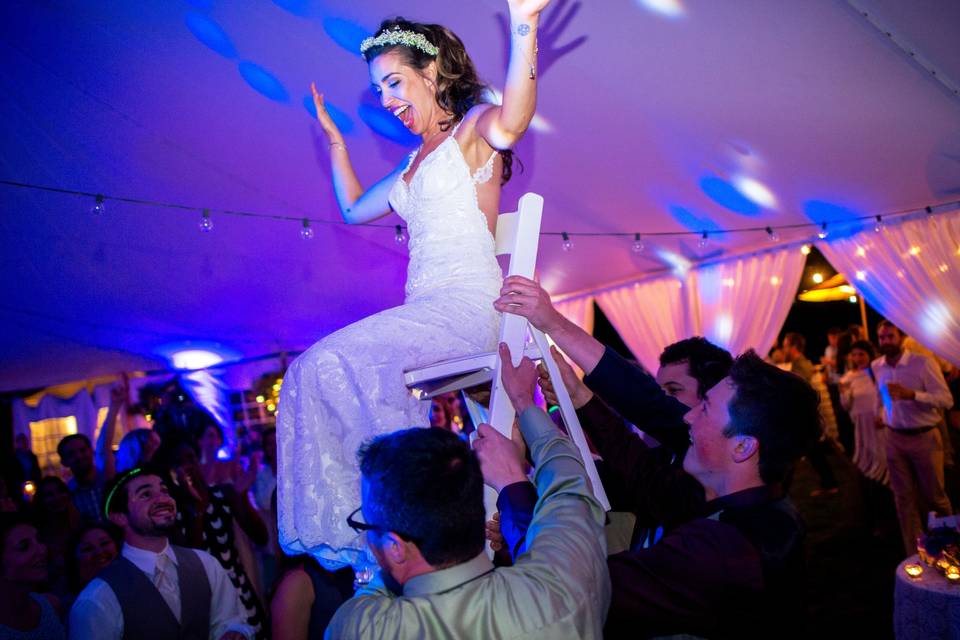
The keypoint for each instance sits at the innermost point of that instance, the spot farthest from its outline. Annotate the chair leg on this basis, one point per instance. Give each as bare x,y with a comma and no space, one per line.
570,418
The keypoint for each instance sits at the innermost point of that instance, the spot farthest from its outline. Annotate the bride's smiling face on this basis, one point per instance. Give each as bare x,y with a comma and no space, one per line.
406,92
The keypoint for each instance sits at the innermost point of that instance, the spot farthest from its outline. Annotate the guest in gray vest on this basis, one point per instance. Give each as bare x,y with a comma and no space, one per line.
155,590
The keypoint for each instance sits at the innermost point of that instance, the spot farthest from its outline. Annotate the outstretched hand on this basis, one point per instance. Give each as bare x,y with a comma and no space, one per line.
519,382
501,461
323,117
524,297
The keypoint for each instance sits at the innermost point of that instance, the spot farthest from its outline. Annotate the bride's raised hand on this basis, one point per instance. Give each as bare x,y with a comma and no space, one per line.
326,122
527,7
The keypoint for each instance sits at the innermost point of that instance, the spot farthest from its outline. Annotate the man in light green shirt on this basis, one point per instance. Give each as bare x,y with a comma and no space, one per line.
423,514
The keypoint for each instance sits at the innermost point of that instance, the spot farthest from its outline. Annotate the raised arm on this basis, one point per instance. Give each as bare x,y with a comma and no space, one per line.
356,204
504,125
104,453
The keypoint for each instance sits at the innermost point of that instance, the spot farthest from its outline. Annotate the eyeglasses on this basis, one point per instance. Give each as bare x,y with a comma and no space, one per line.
360,527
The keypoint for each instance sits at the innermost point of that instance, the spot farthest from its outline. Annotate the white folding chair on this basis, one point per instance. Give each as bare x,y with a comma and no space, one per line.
518,235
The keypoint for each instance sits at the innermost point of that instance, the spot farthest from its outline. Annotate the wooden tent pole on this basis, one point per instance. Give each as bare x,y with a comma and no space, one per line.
863,316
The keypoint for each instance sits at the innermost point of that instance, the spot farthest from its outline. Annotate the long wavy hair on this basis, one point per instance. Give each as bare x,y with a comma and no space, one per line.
458,86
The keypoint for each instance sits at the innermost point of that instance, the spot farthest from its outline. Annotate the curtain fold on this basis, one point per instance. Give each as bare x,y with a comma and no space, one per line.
80,406
739,304
579,311
648,316
742,303
910,273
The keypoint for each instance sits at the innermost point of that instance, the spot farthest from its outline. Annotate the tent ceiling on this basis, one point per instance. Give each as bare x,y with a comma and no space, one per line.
645,119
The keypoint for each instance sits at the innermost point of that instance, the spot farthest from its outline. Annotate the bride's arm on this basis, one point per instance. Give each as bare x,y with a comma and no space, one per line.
356,205
503,126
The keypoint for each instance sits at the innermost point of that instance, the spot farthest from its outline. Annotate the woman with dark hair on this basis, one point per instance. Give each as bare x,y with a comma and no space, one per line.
91,548
136,449
860,398
25,612
349,386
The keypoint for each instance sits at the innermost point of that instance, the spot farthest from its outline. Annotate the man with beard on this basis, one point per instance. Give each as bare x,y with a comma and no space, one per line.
155,589
913,392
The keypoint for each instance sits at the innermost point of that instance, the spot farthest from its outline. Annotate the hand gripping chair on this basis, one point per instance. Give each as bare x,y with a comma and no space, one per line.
518,234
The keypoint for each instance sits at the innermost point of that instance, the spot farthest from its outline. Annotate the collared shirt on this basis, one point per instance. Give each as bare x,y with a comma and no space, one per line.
96,614
88,498
921,374
558,588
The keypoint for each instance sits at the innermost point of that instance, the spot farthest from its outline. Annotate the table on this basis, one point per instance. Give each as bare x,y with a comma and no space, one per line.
927,608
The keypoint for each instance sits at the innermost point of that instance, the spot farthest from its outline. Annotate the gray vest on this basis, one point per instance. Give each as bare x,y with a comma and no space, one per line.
146,615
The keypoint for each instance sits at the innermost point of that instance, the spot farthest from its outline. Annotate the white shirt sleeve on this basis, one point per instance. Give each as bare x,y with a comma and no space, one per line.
935,391
96,614
226,612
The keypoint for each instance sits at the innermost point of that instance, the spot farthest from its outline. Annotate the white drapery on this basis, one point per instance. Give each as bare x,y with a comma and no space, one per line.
910,273
648,315
740,303
579,311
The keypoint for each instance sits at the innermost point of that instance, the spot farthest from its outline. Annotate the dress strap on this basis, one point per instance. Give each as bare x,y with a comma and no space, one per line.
485,172
455,127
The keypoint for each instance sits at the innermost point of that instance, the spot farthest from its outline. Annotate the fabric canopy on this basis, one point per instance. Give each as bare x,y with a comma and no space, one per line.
910,273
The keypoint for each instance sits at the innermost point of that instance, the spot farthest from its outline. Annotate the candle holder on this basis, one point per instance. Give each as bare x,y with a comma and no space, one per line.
914,571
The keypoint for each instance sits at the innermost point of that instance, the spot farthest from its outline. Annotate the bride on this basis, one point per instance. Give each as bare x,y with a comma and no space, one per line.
348,387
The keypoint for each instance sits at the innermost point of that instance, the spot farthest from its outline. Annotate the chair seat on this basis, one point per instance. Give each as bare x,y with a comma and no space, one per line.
460,373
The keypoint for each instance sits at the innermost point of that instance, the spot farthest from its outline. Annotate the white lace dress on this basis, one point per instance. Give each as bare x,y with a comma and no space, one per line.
348,387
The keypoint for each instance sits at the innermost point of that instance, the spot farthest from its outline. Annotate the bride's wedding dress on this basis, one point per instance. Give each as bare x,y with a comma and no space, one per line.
348,387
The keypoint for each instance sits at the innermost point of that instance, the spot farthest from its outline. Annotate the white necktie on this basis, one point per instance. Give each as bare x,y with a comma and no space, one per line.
165,579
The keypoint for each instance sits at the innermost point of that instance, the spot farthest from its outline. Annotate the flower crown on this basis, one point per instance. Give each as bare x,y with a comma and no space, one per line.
398,36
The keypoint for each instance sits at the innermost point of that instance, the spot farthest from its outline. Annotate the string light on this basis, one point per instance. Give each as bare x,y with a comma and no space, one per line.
772,235
704,239
637,246
817,277
878,226
805,249
853,299
306,232
98,206
399,235
567,243
206,224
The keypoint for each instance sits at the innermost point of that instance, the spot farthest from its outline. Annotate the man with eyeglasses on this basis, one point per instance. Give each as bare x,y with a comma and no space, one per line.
423,514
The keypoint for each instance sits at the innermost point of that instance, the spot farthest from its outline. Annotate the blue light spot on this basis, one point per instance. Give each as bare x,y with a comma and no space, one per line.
296,7
726,195
342,120
692,221
347,34
387,125
203,5
211,34
264,82
842,221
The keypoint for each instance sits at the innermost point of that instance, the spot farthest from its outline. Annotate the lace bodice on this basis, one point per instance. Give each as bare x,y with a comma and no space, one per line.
450,243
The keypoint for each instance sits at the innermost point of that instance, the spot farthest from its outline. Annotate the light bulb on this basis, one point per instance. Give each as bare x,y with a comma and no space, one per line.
637,246
306,232
98,207
400,237
567,244
805,249
704,239
823,231
206,224
772,235
878,226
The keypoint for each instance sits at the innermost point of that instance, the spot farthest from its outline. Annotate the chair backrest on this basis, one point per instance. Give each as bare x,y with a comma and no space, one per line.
518,235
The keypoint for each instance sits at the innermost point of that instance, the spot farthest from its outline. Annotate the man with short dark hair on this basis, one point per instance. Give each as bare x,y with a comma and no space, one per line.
736,570
76,453
913,392
794,345
153,589
424,520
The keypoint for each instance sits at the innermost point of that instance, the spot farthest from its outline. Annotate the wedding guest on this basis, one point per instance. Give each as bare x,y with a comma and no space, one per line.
25,612
136,449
